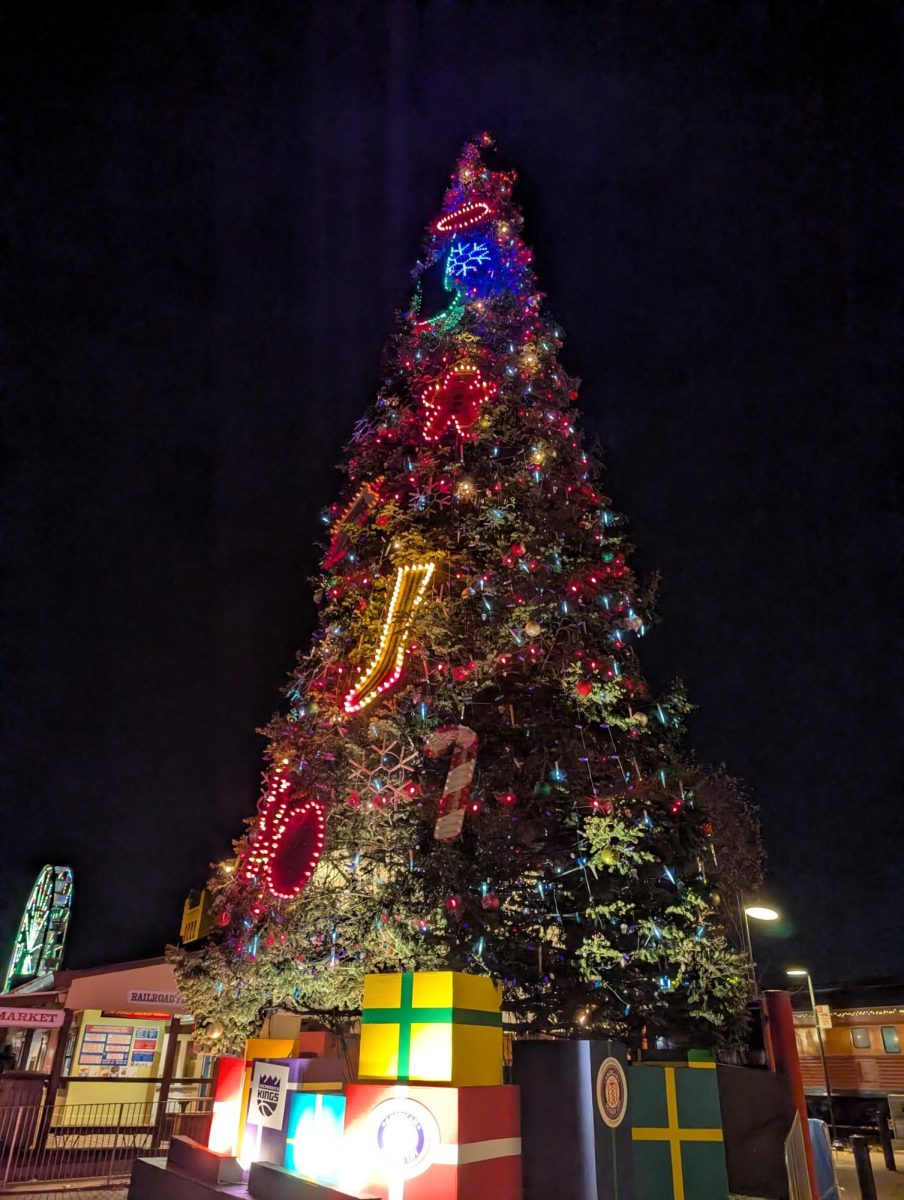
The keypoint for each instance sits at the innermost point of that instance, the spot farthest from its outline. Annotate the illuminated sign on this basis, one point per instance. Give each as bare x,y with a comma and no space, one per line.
403,1137
106,1046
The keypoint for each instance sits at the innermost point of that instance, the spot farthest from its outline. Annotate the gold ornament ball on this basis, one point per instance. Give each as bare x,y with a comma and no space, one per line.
609,857
214,1031
533,629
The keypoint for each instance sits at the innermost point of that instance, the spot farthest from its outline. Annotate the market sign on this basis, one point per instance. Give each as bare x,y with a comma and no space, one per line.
136,996
31,1017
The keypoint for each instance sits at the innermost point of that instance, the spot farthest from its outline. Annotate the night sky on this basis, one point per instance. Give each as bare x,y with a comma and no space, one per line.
212,211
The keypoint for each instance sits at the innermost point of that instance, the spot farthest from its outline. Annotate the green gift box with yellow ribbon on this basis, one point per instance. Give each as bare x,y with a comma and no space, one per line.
676,1118
433,1027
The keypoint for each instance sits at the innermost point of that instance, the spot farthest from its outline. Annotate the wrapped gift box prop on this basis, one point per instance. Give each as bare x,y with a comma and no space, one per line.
226,1118
432,1026
421,1142
430,1118
676,1127
576,1122
314,1141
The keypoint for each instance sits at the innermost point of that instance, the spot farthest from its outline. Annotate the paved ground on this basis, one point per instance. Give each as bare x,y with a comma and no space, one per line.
76,1194
70,1192
889,1184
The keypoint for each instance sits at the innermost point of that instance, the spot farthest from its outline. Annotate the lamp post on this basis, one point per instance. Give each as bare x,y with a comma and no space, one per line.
755,912
803,973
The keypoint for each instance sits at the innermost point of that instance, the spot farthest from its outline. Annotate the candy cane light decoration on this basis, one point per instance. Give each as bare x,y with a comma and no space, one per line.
457,789
386,665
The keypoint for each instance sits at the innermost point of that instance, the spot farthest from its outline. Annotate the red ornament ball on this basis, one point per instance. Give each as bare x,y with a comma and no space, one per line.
223,917
453,904
460,674
584,687
490,902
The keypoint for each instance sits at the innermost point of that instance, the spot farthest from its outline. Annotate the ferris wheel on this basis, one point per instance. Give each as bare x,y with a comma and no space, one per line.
39,944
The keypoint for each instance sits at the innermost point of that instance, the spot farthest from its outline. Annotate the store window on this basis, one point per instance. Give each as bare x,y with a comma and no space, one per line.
890,1040
860,1037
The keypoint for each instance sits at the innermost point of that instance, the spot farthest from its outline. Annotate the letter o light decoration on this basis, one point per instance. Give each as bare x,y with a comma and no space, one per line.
287,846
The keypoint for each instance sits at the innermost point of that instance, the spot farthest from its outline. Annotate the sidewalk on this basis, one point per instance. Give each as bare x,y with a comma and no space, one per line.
889,1184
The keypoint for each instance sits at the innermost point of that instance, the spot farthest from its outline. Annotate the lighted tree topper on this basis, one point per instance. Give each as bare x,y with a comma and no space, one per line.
41,936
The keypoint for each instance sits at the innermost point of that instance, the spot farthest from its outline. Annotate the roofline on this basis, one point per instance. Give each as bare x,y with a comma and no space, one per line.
112,968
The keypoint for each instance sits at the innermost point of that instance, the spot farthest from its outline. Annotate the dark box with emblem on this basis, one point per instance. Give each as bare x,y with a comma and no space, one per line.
575,1123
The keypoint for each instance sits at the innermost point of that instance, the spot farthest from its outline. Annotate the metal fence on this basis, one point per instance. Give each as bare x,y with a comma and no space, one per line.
91,1141
796,1162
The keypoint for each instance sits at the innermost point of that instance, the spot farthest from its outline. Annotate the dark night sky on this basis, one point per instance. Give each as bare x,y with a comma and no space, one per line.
212,212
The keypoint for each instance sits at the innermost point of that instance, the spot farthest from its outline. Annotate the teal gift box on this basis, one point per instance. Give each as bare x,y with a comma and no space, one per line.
679,1150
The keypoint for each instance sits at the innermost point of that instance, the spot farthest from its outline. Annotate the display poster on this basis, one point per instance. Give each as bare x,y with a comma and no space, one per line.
105,1046
144,1046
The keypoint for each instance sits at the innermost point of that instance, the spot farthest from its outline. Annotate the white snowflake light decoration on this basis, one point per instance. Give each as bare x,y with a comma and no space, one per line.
466,258
382,774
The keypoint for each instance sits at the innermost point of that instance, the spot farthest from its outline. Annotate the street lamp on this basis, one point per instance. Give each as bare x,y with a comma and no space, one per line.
803,973
755,912
760,912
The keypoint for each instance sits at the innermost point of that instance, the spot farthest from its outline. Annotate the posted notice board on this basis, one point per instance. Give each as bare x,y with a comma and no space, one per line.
105,1046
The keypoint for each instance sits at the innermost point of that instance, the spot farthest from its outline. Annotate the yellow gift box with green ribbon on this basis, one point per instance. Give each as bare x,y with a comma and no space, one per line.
432,1026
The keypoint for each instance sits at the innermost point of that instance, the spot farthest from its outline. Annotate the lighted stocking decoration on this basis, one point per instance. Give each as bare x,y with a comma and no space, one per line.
386,665
353,518
457,789
288,843
438,297
455,399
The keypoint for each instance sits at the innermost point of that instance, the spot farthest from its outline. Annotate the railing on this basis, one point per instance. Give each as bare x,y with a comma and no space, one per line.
91,1141
796,1163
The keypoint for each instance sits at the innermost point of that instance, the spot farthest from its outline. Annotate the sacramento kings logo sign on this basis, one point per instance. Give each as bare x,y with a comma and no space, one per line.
611,1092
268,1094
405,1135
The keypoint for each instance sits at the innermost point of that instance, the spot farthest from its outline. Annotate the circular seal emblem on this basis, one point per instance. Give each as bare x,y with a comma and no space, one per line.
405,1135
611,1092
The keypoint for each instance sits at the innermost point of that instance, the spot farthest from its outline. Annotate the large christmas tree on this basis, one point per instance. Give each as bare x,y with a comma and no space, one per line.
470,770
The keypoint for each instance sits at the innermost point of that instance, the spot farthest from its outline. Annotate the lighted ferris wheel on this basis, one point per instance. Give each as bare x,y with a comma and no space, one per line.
41,938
